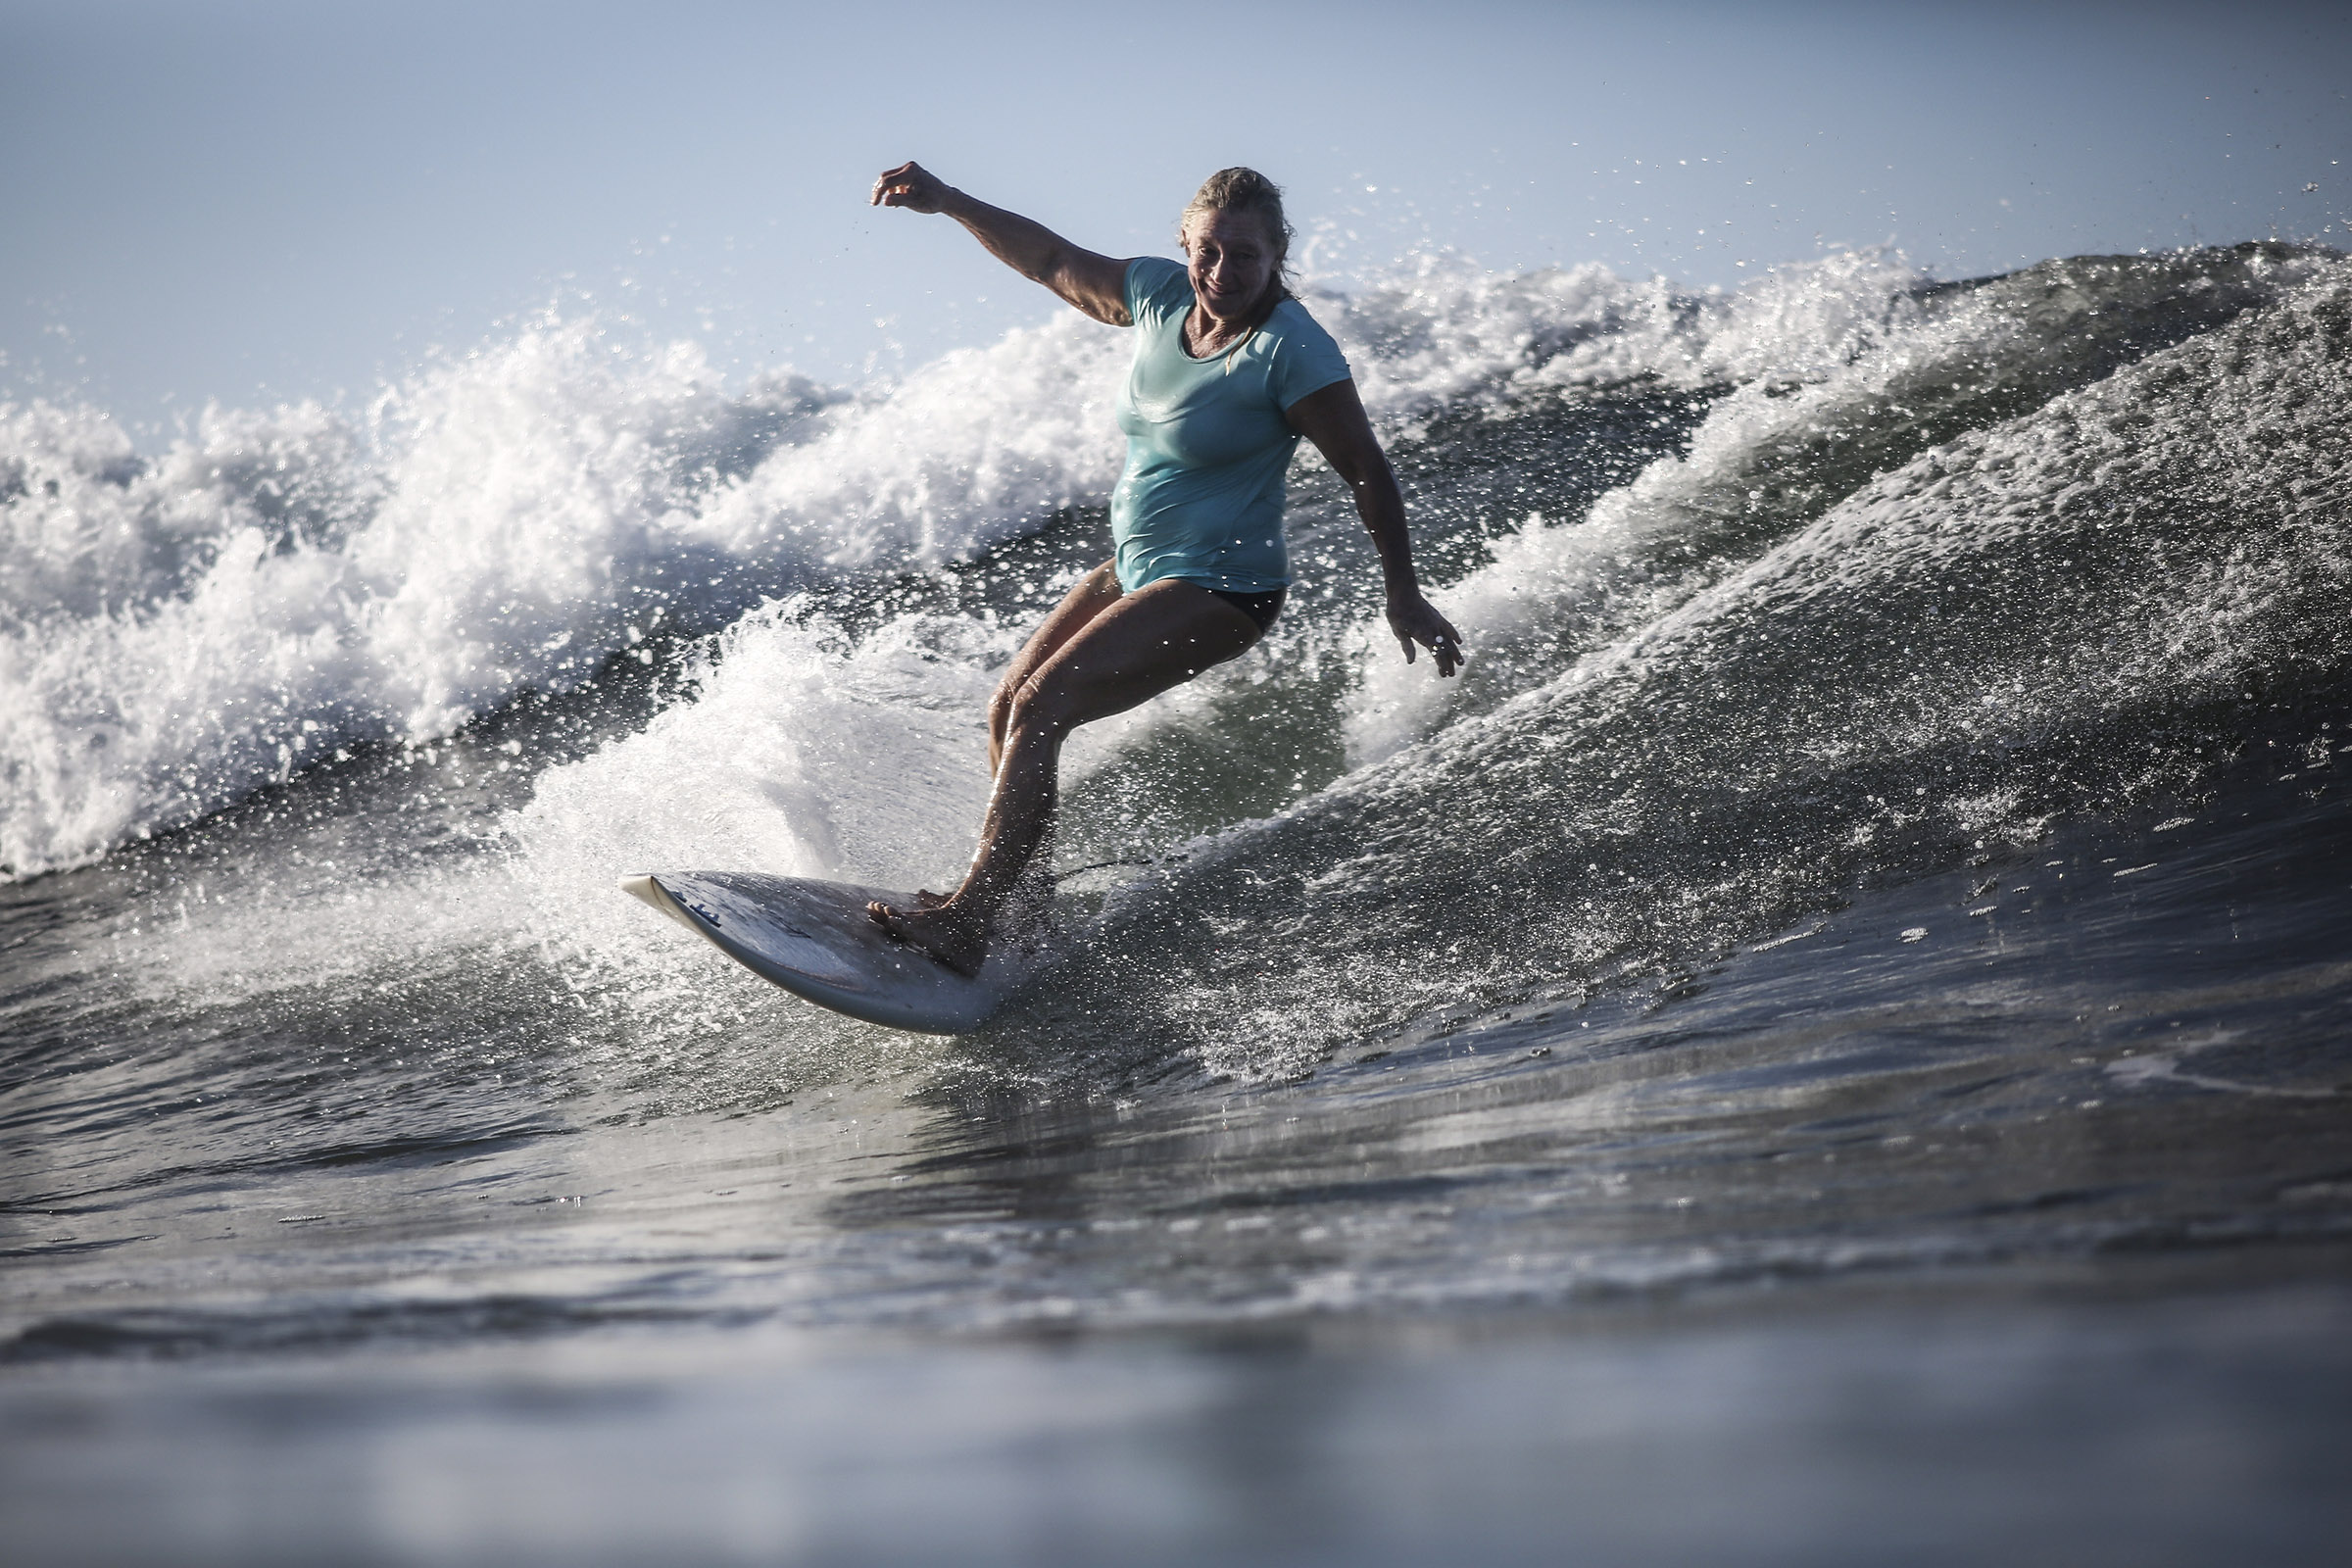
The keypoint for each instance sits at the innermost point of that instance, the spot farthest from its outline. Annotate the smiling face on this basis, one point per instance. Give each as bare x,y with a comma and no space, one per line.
1231,261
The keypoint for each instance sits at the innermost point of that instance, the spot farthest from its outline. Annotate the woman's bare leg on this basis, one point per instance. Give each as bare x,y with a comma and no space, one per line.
1120,656
1089,597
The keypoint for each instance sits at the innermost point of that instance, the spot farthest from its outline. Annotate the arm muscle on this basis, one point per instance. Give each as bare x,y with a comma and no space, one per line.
1096,285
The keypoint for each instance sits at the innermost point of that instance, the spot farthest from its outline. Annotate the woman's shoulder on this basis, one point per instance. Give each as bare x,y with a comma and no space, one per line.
1296,334
1300,356
1156,287
1293,319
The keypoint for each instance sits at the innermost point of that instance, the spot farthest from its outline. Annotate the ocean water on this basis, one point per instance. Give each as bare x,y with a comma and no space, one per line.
1827,1043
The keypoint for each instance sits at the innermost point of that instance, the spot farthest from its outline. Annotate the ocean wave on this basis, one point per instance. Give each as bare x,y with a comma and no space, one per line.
1794,436
2083,609
278,587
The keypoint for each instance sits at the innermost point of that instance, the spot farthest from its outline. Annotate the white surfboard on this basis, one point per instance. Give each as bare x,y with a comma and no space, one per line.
815,939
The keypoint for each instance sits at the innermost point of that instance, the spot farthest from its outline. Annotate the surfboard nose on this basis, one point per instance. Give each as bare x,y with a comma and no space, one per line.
653,892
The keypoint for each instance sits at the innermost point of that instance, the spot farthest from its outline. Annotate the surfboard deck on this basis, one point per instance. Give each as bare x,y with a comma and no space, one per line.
813,939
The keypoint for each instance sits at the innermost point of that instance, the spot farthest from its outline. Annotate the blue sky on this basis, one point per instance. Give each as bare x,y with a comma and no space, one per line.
259,202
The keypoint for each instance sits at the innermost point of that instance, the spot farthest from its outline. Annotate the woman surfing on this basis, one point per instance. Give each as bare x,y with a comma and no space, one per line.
1230,371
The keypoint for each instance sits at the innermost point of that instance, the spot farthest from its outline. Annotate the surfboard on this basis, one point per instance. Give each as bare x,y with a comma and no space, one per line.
813,939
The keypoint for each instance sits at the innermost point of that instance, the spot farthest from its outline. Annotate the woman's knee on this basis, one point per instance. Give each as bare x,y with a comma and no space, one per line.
1038,704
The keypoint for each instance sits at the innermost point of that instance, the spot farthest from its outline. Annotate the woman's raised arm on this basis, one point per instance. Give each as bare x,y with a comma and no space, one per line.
1096,285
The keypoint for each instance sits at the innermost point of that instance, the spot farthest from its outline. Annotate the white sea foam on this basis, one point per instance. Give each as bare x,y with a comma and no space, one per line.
798,752
1421,341
178,631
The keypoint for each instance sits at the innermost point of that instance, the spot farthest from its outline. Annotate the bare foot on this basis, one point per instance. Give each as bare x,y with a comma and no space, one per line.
945,935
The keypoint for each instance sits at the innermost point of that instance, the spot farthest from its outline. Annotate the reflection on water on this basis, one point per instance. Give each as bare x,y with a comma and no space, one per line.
2042,1427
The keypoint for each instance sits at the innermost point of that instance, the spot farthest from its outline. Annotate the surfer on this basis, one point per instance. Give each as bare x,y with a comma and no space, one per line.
1229,372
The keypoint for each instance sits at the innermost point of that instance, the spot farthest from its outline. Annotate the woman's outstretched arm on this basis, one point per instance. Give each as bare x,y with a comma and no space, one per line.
1096,285
1334,420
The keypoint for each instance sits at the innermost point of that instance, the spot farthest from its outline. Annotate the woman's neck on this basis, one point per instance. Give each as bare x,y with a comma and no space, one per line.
1205,334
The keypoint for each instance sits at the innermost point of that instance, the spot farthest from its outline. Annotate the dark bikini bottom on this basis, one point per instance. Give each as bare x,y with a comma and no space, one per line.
1260,607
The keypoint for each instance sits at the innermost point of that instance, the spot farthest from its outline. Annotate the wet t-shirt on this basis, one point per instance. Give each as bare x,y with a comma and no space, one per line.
1207,447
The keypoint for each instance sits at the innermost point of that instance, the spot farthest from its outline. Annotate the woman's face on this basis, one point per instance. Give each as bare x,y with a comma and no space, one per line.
1231,259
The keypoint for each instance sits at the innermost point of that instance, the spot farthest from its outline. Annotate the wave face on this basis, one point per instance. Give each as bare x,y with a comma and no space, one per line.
1773,595
2080,610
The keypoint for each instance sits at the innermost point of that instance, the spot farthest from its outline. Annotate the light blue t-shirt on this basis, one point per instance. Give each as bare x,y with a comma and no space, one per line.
1208,446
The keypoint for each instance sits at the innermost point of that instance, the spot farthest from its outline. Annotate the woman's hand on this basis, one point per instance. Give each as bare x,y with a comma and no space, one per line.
912,186
1416,620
